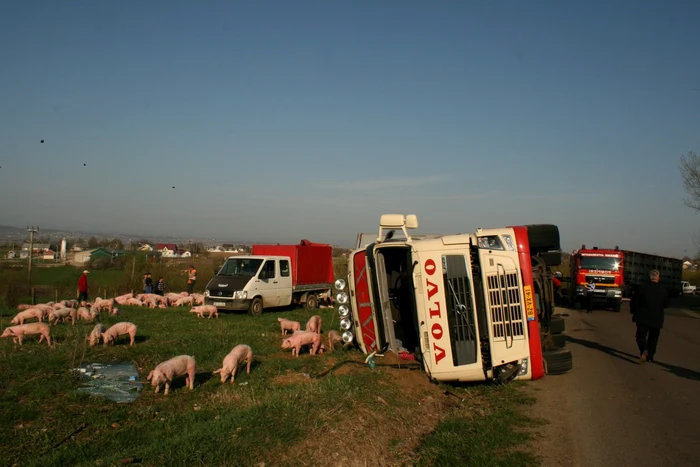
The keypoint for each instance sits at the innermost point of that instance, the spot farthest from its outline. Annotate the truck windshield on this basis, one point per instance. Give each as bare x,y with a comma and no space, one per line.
600,263
240,267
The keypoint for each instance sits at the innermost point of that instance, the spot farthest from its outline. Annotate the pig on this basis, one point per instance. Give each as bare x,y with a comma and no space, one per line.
202,309
133,302
333,337
59,314
29,313
120,329
24,306
102,304
123,298
70,303
85,314
298,339
198,298
314,324
169,369
239,354
184,301
288,325
17,332
96,334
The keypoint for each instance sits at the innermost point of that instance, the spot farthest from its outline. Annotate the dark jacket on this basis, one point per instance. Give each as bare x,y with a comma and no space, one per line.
648,304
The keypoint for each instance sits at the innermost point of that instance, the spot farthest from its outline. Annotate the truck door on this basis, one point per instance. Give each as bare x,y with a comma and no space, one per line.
505,311
268,284
284,289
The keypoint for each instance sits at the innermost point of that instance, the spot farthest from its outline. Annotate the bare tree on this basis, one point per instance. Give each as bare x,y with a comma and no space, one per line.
690,173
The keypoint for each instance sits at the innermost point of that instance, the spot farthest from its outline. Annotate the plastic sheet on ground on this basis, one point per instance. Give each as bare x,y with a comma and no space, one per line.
118,382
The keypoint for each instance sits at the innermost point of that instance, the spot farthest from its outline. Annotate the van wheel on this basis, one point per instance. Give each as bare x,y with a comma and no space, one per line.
558,362
256,307
311,302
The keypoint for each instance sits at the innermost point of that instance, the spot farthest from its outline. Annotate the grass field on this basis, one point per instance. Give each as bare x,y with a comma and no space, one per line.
284,415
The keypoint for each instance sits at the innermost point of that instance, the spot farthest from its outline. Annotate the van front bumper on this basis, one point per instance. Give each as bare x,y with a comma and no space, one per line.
228,304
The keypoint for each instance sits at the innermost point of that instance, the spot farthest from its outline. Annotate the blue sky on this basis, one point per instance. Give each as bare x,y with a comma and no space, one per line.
285,120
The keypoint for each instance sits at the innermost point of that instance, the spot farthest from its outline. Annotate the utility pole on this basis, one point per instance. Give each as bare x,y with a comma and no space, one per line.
32,230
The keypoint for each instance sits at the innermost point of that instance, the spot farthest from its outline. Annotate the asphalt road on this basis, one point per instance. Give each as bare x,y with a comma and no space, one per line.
612,411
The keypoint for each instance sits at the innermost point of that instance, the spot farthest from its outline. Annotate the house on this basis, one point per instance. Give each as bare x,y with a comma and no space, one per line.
11,254
76,248
23,254
48,255
183,254
166,249
214,249
37,247
228,247
687,264
83,257
145,247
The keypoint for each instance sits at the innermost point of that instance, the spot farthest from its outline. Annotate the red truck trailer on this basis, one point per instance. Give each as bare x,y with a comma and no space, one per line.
272,276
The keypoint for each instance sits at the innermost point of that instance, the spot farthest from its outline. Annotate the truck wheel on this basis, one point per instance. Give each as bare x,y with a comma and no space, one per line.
551,258
311,302
543,237
256,307
559,341
557,362
557,325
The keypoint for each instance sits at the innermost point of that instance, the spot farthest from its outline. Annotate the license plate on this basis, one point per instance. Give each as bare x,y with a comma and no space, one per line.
220,304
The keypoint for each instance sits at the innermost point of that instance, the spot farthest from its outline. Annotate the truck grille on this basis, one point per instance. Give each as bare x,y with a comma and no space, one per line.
506,309
214,293
600,279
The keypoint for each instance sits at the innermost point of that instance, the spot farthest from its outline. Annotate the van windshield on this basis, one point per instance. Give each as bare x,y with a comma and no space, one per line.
240,267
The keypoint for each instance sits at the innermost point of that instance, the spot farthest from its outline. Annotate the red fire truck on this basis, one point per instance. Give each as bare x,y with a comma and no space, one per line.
468,307
606,276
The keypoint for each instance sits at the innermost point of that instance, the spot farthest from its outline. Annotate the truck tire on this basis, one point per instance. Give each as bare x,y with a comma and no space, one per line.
543,237
256,307
558,362
311,301
559,341
557,325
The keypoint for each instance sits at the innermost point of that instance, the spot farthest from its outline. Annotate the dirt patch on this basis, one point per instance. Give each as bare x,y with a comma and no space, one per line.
291,378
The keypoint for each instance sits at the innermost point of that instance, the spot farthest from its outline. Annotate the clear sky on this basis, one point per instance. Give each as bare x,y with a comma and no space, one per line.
277,121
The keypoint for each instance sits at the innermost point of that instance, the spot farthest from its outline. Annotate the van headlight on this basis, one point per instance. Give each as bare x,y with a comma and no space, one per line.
345,324
339,284
344,311
240,294
342,297
347,337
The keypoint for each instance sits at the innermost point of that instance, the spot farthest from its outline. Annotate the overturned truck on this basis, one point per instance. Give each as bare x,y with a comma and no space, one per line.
468,307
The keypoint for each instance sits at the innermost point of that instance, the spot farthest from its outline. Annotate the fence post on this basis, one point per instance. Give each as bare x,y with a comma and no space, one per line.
33,297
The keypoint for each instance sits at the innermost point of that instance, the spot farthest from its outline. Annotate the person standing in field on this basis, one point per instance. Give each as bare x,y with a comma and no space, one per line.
149,283
83,287
191,279
647,307
160,286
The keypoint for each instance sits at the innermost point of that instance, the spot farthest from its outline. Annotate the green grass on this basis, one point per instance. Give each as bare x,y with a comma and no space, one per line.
281,417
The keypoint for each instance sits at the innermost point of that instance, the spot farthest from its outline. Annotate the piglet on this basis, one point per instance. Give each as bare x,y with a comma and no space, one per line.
123,298
203,309
184,301
288,325
182,365
240,353
333,337
298,339
96,334
314,324
29,313
17,332
59,314
133,302
119,329
85,315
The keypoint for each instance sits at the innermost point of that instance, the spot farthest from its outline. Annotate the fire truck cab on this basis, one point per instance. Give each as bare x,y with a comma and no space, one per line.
469,307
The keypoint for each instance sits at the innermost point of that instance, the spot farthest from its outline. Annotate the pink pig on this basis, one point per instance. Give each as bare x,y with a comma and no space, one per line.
29,313
120,329
17,332
59,314
333,337
203,309
85,314
169,369
240,353
96,334
298,339
123,298
133,302
314,324
288,325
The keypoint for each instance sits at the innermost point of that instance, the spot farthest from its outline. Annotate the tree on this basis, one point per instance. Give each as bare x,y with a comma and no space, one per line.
690,173
93,242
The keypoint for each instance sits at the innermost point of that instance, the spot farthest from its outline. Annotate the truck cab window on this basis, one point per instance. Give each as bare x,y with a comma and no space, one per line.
269,269
284,268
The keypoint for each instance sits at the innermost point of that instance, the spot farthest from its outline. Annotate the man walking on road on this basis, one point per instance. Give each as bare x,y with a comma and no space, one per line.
647,306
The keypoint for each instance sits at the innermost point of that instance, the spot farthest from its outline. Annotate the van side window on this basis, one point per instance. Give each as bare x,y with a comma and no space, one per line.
270,269
284,268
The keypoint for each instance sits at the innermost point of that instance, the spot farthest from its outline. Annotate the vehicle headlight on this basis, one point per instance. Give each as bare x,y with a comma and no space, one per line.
345,324
240,294
206,293
340,284
342,297
344,311
347,337
523,367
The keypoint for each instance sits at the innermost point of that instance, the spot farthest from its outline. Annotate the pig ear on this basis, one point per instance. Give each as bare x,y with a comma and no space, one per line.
150,375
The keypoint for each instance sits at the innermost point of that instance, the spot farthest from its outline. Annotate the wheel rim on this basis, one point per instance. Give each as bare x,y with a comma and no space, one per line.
257,308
